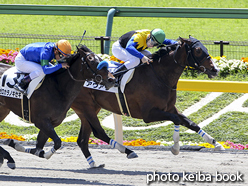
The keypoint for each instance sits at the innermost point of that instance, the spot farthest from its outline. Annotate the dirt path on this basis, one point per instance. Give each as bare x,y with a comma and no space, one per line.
69,167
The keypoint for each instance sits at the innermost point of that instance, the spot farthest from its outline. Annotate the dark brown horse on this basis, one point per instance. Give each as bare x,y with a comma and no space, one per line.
151,95
50,103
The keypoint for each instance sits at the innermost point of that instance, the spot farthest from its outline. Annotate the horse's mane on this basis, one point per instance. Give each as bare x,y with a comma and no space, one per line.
84,48
70,59
165,50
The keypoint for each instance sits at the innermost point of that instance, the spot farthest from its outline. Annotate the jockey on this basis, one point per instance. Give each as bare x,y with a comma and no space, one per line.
34,59
131,47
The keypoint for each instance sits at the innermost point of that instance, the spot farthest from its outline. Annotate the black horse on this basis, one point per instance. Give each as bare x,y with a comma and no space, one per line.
50,103
151,95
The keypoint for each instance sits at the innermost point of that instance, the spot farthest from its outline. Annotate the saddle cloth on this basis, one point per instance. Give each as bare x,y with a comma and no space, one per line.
10,77
125,79
119,91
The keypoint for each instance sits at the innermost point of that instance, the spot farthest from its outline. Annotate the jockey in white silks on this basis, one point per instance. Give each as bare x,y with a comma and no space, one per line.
35,59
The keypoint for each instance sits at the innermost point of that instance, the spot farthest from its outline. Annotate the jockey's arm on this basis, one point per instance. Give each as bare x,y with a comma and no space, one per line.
48,68
169,42
132,50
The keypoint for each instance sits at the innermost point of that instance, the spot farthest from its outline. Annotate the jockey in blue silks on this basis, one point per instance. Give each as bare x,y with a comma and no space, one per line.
131,47
35,59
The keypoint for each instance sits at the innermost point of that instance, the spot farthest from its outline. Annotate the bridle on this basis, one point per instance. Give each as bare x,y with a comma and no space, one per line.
191,58
98,77
193,61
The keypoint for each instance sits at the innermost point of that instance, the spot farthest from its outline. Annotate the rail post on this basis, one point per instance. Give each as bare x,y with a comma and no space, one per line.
221,43
110,18
102,39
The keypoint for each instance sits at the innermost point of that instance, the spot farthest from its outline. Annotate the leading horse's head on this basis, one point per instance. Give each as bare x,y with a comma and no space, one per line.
93,68
198,57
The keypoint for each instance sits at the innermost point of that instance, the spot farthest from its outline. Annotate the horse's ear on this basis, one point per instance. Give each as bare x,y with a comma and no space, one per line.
180,39
183,40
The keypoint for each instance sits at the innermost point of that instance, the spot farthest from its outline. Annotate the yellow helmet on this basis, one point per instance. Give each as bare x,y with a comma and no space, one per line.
64,47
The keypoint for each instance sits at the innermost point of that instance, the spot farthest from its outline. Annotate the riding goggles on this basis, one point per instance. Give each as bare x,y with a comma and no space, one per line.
153,43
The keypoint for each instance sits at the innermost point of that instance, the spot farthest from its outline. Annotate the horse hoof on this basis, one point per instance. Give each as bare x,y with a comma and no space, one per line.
219,147
99,166
11,165
132,155
175,149
19,147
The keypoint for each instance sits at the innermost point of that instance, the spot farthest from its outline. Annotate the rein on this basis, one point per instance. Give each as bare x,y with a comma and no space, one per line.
174,55
77,80
84,62
190,57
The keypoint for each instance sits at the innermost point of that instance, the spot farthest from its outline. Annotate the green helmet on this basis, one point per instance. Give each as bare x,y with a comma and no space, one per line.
158,35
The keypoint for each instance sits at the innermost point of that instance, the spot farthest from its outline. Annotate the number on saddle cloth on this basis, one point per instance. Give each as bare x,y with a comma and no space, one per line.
10,77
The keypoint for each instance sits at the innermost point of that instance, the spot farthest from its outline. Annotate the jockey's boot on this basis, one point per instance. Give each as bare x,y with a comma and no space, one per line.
118,73
23,85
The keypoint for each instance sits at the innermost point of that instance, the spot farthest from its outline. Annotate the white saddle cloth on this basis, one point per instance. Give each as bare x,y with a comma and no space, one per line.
10,77
125,79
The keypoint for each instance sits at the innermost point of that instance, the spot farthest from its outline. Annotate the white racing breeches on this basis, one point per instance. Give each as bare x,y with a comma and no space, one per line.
25,66
122,54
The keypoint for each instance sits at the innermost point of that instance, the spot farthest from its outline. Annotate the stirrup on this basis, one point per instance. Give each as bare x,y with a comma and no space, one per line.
18,88
118,81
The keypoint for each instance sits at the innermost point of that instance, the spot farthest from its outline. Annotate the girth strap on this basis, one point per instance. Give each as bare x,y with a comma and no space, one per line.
26,109
121,98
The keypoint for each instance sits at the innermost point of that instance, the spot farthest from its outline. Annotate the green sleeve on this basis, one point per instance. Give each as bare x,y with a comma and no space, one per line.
44,62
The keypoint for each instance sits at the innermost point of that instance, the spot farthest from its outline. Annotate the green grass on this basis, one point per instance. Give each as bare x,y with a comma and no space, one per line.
213,107
12,129
138,3
232,125
202,29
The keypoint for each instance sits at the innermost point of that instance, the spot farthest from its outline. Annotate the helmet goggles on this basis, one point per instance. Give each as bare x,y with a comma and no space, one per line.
153,42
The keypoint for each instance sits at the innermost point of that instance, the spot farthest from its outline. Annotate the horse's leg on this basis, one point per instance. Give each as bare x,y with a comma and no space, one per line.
5,155
40,143
156,114
38,151
3,112
99,132
41,140
176,147
83,142
92,124
47,130
191,125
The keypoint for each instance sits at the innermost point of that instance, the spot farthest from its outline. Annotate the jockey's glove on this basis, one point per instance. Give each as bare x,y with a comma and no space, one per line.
146,60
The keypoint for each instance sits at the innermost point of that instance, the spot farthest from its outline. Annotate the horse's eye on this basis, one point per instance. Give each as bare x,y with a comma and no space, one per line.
90,58
198,50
